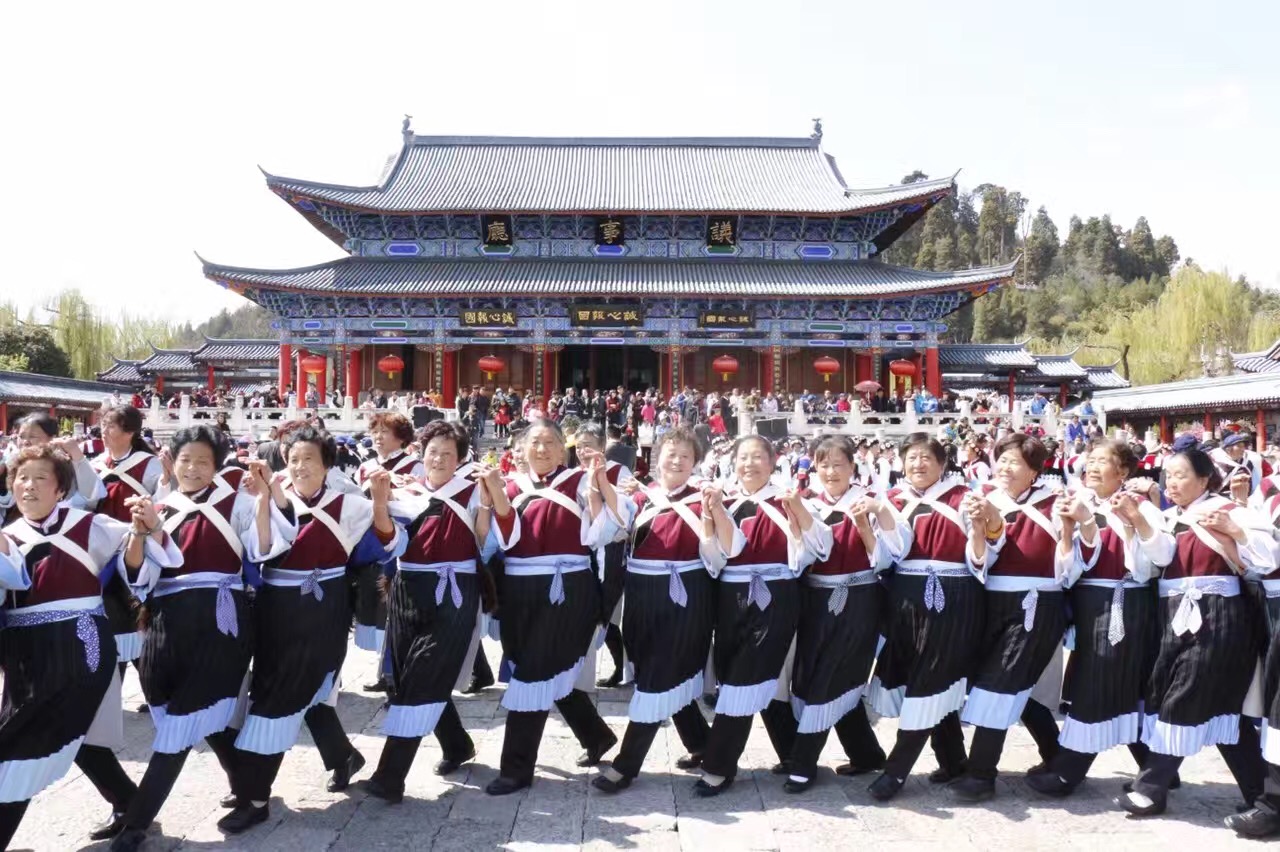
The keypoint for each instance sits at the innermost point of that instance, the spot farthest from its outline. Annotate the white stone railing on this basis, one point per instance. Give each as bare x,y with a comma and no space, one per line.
257,421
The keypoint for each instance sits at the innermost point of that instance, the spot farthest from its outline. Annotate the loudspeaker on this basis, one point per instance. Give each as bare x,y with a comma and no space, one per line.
424,414
772,428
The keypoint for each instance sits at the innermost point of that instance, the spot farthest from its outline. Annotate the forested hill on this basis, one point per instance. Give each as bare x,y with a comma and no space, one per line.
1110,290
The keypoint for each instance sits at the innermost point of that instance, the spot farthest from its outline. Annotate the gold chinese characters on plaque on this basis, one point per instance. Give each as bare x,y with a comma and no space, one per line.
722,232
496,230
489,318
726,319
609,231
606,316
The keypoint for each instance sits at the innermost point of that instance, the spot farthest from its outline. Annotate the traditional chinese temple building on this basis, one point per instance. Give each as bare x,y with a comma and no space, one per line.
240,366
710,262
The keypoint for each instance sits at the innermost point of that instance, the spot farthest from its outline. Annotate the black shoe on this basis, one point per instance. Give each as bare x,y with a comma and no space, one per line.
791,785
476,685
1135,810
129,840
243,818
1175,784
143,708
231,800
450,765
613,680
379,790
782,767
505,786
592,756
943,776
341,777
379,685
970,790
1038,768
690,761
607,785
706,791
852,770
1255,822
1050,784
885,788
113,825
710,700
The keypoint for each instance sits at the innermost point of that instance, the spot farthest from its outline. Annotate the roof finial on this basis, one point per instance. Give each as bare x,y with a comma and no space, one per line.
817,130
405,129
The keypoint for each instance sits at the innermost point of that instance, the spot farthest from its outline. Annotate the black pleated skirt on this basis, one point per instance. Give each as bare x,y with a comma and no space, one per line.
834,653
191,671
369,605
50,699
1203,676
927,652
666,642
1012,658
300,642
1108,681
428,641
543,641
751,644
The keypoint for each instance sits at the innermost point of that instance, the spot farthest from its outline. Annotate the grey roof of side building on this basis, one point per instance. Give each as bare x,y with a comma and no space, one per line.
476,174
716,277
981,357
123,371
54,390
1245,391
1059,366
168,361
1105,377
240,350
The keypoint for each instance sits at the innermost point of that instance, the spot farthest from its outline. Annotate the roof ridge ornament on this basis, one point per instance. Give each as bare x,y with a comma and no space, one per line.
406,128
817,130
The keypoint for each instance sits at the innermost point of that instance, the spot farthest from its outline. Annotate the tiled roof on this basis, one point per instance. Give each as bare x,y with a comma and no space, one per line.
1255,362
122,372
981,357
54,390
726,277
519,174
1058,367
1245,391
243,350
168,361
1105,377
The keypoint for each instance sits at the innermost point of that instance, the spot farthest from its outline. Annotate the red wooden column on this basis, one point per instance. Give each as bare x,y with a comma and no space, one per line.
321,378
209,376
159,384
300,380
1013,386
1062,395
548,374
1260,424
450,373
932,372
1166,430
286,356
1208,425
4,418
353,375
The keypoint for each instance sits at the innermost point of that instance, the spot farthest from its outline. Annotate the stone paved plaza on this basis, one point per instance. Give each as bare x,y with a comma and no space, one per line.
659,812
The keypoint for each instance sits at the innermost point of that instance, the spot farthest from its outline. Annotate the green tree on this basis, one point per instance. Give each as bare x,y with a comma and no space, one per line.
37,345
1041,247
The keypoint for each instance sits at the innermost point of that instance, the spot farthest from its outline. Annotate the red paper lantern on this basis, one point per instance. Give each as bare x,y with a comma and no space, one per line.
725,365
490,365
903,368
390,364
313,364
827,367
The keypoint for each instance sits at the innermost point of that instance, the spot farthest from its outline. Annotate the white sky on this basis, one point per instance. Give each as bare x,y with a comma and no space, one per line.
133,131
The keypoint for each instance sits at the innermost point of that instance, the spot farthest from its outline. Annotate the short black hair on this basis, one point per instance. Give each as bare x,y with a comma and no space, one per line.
310,435
41,421
210,437
924,439
441,429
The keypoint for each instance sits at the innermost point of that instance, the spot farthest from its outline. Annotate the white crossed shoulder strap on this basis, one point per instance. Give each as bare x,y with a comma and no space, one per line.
930,499
1192,518
761,499
550,491
28,538
301,509
118,472
659,502
843,506
184,507
1008,505
445,494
